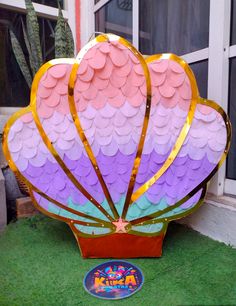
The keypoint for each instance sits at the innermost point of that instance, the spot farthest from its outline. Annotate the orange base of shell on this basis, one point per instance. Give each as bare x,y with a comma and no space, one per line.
120,246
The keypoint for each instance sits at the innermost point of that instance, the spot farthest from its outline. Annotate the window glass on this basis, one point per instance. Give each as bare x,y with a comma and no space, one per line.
13,88
233,23
200,70
231,160
115,17
173,26
52,3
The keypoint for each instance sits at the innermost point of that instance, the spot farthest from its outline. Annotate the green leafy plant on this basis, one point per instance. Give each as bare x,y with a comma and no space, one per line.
64,43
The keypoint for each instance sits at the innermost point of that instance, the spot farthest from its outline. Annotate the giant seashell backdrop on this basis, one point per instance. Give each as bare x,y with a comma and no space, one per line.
115,145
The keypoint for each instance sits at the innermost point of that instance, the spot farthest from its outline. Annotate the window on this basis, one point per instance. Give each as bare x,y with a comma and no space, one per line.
183,28
14,91
52,3
115,17
179,26
204,34
231,160
200,70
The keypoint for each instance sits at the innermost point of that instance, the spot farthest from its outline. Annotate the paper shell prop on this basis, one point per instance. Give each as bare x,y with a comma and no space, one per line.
117,146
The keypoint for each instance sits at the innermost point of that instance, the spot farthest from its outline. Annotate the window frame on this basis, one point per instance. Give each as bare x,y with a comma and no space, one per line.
42,11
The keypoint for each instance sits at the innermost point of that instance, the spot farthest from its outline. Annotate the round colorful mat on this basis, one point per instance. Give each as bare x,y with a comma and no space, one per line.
113,280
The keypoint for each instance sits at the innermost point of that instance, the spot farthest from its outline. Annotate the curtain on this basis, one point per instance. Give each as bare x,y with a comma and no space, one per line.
176,26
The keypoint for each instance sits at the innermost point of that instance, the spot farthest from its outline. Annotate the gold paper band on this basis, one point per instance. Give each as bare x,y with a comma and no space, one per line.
139,233
74,114
31,186
46,140
151,219
203,184
137,159
184,132
55,216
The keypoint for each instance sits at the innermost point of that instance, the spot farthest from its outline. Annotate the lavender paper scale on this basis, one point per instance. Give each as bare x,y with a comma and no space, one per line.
175,182
118,137
110,95
51,179
135,211
116,171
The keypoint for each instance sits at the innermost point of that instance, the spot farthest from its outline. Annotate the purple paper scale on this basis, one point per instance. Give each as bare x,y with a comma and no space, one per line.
181,177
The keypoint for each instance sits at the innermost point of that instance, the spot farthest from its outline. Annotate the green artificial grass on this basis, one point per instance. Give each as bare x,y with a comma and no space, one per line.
40,264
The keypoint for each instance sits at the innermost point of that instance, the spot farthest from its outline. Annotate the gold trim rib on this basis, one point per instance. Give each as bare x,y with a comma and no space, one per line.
137,159
15,169
148,219
72,222
74,114
46,140
183,133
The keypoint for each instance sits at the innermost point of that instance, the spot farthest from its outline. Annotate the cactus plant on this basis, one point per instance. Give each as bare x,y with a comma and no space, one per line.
64,44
